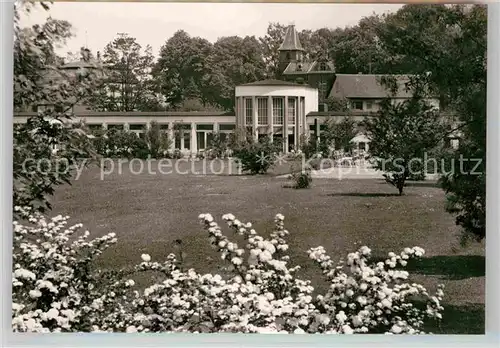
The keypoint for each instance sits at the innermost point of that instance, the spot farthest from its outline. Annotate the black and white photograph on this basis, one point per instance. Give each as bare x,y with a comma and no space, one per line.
275,168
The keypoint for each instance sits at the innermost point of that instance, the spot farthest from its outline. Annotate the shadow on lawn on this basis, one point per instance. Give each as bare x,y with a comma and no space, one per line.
434,184
460,320
455,267
358,194
423,184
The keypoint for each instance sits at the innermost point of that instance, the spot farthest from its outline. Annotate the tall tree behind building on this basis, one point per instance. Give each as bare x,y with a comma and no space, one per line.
129,84
182,69
234,61
270,45
357,49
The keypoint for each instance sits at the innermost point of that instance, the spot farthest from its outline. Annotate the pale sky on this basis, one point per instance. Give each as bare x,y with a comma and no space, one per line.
97,23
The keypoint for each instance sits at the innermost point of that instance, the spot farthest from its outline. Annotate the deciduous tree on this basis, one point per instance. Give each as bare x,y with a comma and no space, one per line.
399,136
182,68
271,43
234,61
129,84
48,147
445,45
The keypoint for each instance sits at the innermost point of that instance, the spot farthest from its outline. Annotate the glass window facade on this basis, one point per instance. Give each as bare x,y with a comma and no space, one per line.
248,111
357,104
136,127
187,140
209,127
278,110
226,127
292,110
200,139
262,108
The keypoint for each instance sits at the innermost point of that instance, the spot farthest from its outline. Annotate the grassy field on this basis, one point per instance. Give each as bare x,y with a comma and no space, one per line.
149,211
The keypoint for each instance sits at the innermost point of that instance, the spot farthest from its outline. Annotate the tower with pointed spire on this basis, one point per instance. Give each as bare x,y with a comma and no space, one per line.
291,49
319,73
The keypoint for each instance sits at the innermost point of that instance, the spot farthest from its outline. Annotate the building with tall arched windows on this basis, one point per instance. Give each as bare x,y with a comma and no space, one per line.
276,108
291,108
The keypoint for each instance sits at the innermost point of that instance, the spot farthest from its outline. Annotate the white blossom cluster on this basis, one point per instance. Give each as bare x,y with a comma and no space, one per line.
57,288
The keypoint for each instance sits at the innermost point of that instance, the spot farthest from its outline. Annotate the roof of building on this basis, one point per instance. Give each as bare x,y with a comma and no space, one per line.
329,67
367,86
300,68
80,64
291,41
272,82
50,74
142,113
447,114
297,68
207,113
339,113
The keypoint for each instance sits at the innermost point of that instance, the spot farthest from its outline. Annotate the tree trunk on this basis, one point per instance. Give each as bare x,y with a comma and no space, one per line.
401,182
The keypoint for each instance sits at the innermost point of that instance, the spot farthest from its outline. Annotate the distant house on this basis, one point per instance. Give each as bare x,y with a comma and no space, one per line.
364,92
71,71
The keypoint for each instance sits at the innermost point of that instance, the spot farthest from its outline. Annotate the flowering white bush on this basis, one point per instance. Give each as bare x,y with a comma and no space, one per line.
56,287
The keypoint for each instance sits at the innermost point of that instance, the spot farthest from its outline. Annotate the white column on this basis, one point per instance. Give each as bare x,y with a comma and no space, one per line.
126,127
285,127
216,127
305,125
270,116
240,120
104,125
240,112
254,118
193,138
317,130
298,121
171,136
240,117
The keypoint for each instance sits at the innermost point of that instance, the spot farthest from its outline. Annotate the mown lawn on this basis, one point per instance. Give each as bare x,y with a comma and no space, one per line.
148,212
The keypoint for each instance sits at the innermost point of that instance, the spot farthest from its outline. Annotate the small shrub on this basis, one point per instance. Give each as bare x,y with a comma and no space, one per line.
114,143
157,141
417,176
317,162
218,146
310,147
295,155
302,179
177,154
57,287
257,157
